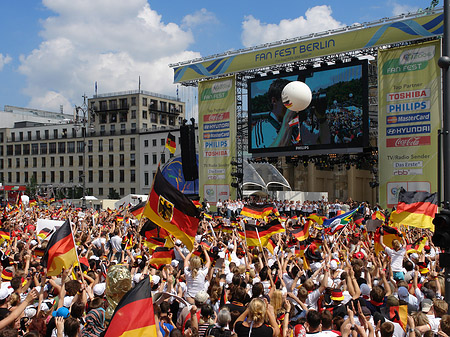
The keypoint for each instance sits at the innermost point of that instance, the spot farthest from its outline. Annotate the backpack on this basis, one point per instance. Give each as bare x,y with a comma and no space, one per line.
218,332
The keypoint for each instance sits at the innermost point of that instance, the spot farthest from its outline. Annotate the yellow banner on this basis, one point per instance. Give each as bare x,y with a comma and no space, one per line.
217,138
409,87
352,38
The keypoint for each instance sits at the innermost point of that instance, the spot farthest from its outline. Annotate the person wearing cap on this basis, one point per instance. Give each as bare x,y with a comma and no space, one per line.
435,314
337,308
200,298
405,297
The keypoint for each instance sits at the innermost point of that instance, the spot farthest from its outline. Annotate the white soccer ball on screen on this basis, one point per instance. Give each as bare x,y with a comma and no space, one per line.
296,96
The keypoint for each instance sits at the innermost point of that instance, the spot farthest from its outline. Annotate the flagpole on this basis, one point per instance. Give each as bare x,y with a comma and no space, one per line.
260,244
76,251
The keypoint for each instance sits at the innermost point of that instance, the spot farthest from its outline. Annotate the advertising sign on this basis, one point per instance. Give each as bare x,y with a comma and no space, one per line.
217,138
409,118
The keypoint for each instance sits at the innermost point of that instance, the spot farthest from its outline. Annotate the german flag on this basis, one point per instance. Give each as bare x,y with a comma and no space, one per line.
4,236
134,314
358,218
302,233
172,210
415,209
207,216
119,218
127,242
162,256
151,230
44,232
257,211
197,203
271,245
227,229
417,246
60,252
379,215
38,251
399,314
138,209
389,234
171,143
205,243
33,203
264,232
153,243
317,218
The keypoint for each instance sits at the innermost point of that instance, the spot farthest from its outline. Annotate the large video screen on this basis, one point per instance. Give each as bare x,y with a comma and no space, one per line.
337,117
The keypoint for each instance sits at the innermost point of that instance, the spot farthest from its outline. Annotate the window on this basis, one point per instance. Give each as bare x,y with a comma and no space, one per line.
13,136
71,176
121,191
133,101
132,176
146,180
162,119
17,177
90,146
111,145
52,176
70,147
146,143
80,160
43,176
34,162
43,161
17,162
111,176
90,160
133,114
122,176
133,127
111,160
121,144
144,126
132,159
9,162
132,190
18,149
35,176
64,133
163,142
153,118
80,146
70,160
100,176
113,129
163,158
47,134
122,129
43,148
35,148
29,135
145,159
61,176
55,134
52,161
154,158
121,159
100,145
38,134
154,142
9,150
26,148
102,130
100,191
25,164
91,176
61,161
113,104
132,144
26,176
10,177
52,148
62,147
80,176
144,101
100,160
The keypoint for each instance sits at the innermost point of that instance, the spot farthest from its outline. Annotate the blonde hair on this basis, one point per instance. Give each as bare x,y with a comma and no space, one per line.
257,310
396,244
194,264
277,301
420,318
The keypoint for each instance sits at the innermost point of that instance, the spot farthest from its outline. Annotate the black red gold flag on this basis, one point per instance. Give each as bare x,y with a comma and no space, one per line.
171,143
389,234
258,211
172,210
264,232
138,209
302,233
60,252
162,256
416,209
134,314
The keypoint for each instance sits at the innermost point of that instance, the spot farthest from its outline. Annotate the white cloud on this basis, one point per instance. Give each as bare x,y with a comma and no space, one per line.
112,42
403,8
316,19
4,59
201,17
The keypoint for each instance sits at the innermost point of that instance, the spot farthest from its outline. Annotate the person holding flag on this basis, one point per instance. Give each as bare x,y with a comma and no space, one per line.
396,253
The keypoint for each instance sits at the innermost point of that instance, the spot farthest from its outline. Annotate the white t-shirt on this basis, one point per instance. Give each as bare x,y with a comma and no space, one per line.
197,284
116,243
396,258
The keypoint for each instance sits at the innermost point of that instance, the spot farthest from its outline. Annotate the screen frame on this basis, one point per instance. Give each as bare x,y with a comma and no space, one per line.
316,148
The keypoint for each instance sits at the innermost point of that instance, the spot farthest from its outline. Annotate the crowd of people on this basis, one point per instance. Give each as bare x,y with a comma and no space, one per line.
326,285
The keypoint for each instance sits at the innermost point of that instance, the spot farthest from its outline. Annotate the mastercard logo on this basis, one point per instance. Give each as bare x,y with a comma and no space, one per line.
391,120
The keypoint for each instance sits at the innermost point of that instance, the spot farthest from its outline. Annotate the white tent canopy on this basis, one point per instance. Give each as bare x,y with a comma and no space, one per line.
263,175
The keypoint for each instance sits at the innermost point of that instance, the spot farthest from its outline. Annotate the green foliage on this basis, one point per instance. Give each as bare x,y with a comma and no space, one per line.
31,187
113,194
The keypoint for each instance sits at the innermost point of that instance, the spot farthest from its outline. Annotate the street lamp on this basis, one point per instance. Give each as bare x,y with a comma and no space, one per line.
82,119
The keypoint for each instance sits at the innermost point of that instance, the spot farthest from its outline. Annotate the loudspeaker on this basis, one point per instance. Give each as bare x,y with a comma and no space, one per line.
188,154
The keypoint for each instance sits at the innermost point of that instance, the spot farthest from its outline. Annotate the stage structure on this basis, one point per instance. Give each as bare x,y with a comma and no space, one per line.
342,120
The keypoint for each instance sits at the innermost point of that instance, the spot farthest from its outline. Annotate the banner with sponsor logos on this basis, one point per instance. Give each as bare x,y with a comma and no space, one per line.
315,45
408,119
217,143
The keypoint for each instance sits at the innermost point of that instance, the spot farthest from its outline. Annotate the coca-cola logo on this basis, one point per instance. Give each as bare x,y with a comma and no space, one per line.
408,141
216,117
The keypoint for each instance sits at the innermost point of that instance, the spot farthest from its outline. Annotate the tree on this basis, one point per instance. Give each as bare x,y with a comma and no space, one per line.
31,187
113,194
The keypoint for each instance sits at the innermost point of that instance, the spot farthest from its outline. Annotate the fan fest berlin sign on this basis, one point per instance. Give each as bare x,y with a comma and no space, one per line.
408,119
217,143
351,38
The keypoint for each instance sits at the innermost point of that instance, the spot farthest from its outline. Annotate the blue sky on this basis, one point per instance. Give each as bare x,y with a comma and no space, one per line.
53,51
